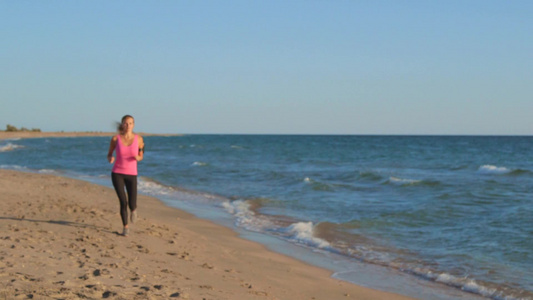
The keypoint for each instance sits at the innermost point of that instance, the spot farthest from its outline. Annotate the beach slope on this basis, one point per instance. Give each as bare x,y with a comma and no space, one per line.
59,239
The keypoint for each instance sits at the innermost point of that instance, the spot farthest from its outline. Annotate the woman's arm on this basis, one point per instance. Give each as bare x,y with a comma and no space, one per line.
112,146
140,156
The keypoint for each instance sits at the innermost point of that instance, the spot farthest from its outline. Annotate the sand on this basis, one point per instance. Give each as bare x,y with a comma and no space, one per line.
59,240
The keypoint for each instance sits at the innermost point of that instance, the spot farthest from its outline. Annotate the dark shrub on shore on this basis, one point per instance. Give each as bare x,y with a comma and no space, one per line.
11,128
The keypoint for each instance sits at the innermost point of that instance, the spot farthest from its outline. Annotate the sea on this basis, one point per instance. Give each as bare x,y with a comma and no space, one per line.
433,217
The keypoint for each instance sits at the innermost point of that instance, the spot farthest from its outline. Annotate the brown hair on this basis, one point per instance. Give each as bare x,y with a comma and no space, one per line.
119,125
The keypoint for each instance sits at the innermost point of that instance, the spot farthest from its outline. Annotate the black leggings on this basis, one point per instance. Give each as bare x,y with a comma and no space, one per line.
130,181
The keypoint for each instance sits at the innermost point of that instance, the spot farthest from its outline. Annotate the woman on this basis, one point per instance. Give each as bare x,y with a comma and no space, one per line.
129,150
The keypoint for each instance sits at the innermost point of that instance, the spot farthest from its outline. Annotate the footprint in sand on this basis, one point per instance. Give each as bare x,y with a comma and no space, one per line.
141,249
183,255
207,287
84,277
99,272
108,294
113,265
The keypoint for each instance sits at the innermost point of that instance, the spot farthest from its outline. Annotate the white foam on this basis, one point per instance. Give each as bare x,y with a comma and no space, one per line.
463,283
14,167
308,180
402,181
468,285
199,163
302,232
245,217
10,147
490,169
153,188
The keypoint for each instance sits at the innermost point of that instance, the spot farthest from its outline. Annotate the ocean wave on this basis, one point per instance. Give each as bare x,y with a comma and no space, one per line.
520,172
14,167
403,181
245,217
152,187
472,286
48,171
9,147
410,182
368,251
26,169
319,186
490,169
199,163
368,175
303,232
309,234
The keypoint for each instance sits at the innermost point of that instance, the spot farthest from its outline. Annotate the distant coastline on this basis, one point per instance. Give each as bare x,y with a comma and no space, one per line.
31,134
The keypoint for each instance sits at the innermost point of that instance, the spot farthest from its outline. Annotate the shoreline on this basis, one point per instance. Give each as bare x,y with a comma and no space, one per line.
31,134
60,240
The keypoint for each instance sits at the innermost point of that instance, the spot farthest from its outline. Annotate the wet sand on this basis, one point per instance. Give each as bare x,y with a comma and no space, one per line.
60,240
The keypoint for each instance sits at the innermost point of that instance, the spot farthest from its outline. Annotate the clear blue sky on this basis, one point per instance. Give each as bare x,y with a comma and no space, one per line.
312,67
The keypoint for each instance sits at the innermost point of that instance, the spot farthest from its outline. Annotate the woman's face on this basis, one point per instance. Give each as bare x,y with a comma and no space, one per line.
128,125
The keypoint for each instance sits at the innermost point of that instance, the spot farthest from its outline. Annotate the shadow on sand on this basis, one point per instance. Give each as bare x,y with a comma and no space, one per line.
60,222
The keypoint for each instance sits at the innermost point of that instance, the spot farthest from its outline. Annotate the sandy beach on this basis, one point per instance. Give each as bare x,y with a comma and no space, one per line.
60,241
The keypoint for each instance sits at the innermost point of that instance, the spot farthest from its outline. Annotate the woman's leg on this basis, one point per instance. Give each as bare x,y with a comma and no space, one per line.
131,187
118,184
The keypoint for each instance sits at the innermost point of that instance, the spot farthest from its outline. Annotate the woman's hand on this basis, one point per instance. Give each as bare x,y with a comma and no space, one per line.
112,146
140,154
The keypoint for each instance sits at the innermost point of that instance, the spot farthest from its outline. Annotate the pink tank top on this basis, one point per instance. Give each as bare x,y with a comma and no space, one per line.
125,162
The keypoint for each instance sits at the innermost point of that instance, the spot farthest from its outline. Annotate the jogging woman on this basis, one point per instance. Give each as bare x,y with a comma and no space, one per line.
129,149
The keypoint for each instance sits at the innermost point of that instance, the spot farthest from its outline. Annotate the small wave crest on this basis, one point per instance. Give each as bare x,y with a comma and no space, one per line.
317,185
303,232
299,232
371,176
152,187
48,171
520,172
495,170
402,181
26,169
470,285
199,164
9,147
490,169
14,167
245,216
